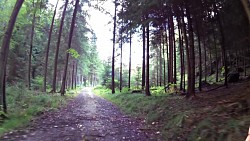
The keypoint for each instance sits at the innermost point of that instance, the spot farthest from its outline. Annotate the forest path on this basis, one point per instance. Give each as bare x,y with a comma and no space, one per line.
86,118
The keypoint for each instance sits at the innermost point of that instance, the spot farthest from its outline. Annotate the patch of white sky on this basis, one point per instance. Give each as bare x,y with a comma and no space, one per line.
102,25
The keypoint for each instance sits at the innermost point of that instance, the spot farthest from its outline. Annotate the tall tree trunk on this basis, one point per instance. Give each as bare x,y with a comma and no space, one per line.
223,48
113,53
69,46
210,58
160,73
76,78
4,94
216,57
147,66
245,4
157,69
191,54
143,55
58,46
205,58
187,52
129,69
5,51
164,61
181,51
170,29
121,68
199,48
31,45
167,51
175,65
73,76
47,49
184,69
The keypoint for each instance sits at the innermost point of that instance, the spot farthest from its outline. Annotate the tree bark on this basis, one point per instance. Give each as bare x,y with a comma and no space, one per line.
199,48
143,55
113,53
73,76
57,47
129,69
164,61
48,48
147,66
160,69
181,51
31,45
245,4
170,21
5,50
76,71
191,54
69,46
223,48
121,67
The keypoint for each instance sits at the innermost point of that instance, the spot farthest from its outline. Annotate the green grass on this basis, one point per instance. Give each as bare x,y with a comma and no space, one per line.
177,118
23,105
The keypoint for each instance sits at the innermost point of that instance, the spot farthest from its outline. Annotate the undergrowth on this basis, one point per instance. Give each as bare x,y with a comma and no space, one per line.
177,118
24,104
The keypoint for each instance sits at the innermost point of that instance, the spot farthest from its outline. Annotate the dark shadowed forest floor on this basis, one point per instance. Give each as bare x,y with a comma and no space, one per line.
87,117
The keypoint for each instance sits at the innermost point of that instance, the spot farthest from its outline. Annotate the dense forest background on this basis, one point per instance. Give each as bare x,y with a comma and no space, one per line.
188,46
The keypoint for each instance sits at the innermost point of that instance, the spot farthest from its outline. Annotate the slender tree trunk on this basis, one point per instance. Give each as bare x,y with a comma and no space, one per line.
187,53
190,53
199,48
76,71
4,94
47,49
121,67
223,49
113,53
58,46
160,55
5,51
31,46
205,58
147,65
175,65
164,61
129,69
181,51
184,69
210,58
143,55
157,69
167,51
216,57
170,29
69,46
73,75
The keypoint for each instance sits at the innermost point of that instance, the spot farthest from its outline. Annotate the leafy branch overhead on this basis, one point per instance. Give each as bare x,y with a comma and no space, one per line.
73,53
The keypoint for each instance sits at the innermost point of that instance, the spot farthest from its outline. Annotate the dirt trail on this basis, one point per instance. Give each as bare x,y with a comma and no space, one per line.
86,118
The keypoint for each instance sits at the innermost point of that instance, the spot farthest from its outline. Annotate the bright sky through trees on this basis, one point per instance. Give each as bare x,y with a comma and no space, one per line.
102,25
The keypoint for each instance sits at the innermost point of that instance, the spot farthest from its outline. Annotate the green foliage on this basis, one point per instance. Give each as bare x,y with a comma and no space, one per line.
175,117
37,83
73,53
24,104
158,91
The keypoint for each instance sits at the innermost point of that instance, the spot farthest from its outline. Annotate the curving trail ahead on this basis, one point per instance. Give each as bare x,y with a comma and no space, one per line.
86,118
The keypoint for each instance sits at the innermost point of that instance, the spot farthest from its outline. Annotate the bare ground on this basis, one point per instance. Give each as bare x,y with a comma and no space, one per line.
86,118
